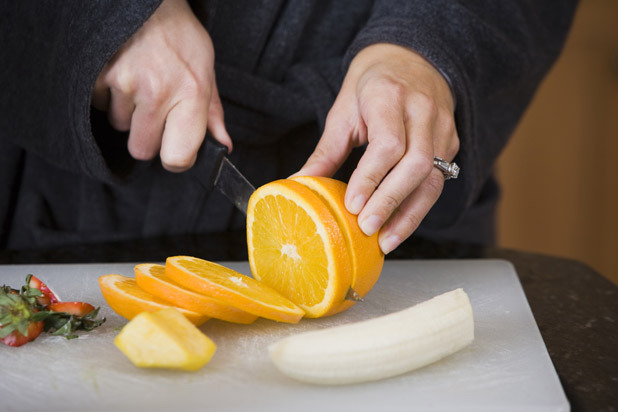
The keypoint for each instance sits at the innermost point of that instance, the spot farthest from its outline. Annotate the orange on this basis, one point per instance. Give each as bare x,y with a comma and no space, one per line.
367,257
152,279
129,300
232,288
299,245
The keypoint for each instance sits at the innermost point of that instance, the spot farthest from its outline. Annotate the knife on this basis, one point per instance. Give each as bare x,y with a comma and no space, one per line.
213,170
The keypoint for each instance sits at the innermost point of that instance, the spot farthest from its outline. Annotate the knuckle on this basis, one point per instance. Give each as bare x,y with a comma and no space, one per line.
121,80
390,145
372,180
435,184
411,221
153,90
454,147
423,165
392,200
320,155
446,121
192,87
384,92
195,86
393,88
426,102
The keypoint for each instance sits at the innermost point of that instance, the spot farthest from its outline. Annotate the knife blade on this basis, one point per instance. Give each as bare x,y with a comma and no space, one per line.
213,170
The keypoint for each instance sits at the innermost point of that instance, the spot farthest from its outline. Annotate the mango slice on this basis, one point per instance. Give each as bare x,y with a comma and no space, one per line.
165,339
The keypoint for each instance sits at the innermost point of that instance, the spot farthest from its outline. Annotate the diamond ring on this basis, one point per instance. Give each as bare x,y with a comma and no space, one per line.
449,170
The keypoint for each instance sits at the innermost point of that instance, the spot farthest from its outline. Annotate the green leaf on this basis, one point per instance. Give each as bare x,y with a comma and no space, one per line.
4,300
66,330
6,319
6,331
33,293
41,315
22,327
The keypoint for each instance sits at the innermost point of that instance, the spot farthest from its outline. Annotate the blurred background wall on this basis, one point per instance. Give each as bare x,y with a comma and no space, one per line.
559,173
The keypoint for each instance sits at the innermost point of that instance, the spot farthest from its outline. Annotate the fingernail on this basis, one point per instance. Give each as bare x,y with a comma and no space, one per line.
357,204
370,225
389,244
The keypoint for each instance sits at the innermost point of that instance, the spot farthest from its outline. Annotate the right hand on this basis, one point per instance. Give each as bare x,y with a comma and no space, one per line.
161,87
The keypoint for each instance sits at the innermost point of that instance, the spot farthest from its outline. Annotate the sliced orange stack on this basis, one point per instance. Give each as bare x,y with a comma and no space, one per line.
153,279
304,243
128,300
232,288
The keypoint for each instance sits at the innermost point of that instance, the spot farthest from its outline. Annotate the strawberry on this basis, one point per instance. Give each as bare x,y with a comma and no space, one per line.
15,338
25,313
73,308
20,319
48,295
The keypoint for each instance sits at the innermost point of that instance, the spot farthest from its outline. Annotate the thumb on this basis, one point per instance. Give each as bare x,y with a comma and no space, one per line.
331,151
216,119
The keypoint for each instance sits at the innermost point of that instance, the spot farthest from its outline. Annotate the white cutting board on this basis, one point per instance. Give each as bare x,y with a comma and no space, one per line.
507,368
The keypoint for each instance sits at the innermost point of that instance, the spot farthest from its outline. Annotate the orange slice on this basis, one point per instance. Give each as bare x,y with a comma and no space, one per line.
232,288
152,279
129,300
367,257
296,246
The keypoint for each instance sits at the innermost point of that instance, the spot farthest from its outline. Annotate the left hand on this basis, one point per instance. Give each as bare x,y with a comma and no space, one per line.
397,103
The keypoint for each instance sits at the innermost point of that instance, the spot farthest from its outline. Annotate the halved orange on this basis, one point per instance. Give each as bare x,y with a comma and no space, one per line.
129,300
232,288
367,257
152,279
297,247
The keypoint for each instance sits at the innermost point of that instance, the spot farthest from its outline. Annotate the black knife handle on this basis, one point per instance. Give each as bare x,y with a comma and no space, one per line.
208,161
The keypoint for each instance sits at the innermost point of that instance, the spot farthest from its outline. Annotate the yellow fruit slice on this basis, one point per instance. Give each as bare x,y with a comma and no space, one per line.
165,339
232,288
295,246
152,279
367,257
129,300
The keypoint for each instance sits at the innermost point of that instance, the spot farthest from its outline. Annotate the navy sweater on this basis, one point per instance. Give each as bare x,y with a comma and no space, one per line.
66,177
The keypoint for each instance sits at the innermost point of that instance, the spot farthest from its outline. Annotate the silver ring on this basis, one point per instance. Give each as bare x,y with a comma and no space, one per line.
449,170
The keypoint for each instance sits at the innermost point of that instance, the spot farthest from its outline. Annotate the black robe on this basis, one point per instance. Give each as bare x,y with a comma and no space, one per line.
66,177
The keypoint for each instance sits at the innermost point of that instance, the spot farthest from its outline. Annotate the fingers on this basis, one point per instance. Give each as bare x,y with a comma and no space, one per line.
185,129
411,212
216,121
120,111
387,146
408,172
145,121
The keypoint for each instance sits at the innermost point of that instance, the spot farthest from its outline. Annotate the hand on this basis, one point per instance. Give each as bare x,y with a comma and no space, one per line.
161,86
398,104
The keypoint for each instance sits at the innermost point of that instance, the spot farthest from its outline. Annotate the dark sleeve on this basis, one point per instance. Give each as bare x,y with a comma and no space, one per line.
493,53
52,53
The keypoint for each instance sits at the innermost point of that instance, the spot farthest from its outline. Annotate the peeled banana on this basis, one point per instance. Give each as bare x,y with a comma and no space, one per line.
379,348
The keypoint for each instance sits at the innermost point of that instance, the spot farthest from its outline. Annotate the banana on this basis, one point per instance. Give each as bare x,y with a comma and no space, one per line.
381,347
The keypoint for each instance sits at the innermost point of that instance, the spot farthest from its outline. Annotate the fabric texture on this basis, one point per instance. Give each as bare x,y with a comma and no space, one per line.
67,176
